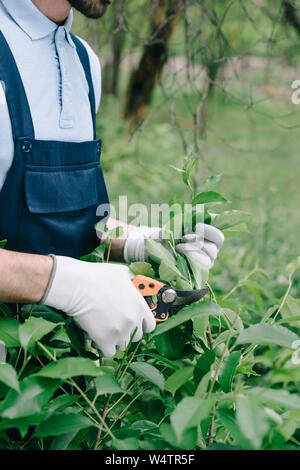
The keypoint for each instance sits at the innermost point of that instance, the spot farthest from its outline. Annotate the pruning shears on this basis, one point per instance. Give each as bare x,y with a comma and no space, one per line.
161,297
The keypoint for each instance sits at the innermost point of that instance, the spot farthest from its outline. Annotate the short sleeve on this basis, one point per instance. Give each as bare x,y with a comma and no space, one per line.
96,72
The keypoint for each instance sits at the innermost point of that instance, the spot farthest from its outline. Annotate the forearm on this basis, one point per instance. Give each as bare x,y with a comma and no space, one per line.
117,244
23,277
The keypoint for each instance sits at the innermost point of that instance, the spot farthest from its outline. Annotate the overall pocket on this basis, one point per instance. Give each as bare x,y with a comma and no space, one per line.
53,190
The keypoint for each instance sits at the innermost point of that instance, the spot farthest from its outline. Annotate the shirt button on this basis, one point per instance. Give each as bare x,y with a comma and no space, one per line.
26,146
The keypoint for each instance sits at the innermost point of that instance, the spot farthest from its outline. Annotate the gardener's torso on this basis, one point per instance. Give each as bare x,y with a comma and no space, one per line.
50,178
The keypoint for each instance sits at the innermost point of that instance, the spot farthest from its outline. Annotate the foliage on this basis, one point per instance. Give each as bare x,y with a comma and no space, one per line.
220,371
223,373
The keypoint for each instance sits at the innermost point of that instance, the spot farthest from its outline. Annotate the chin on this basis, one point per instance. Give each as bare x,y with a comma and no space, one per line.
91,8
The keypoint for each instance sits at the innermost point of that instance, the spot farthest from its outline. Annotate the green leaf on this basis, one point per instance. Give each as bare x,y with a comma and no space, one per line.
290,310
63,423
188,440
8,376
143,268
189,313
96,256
9,332
170,344
229,422
163,360
69,367
229,219
281,398
3,352
202,386
131,443
188,164
178,378
106,383
200,328
235,231
3,243
33,330
61,402
233,319
267,334
158,253
22,424
251,419
207,197
293,266
210,183
41,311
199,271
229,370
168,272
148,372
62,442
35,393
204,364
189,413
182,266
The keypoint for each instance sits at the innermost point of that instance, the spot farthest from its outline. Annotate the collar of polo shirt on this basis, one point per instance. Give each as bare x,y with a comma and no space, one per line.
32,21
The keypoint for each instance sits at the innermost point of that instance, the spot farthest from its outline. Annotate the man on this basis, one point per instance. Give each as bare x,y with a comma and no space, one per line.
51,182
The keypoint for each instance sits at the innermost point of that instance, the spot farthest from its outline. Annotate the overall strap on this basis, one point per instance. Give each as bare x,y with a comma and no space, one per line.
18,106
85,61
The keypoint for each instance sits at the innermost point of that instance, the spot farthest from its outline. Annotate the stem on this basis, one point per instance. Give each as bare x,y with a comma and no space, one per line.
211,431
221,359
104,414
130,360
126,408
240,283
210,338
125,356
108,251
84,396
284,298
25,362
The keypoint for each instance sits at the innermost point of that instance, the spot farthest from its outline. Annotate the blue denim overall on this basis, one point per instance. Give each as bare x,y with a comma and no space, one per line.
49,199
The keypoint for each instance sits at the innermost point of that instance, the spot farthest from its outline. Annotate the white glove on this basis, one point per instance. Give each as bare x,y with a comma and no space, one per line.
102,300
202,245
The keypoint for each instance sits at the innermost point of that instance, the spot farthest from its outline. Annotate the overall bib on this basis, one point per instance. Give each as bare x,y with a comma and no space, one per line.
51,193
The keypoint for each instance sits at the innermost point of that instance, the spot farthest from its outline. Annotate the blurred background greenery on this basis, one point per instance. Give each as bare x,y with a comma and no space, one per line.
221,88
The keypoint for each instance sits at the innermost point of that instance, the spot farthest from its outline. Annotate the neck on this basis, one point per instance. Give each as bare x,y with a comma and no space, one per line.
56,10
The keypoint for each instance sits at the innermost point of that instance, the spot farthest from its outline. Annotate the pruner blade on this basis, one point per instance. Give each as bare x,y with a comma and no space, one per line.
166,297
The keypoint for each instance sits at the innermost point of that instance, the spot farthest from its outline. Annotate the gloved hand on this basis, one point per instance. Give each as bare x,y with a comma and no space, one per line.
102,300
202,245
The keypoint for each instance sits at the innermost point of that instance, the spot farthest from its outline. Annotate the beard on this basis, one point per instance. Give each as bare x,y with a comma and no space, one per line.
91,8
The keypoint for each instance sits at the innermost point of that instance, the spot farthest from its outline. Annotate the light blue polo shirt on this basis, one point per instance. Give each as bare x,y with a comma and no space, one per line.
52,75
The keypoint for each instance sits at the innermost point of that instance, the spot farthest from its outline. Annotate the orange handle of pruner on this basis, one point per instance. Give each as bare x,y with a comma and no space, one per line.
149,287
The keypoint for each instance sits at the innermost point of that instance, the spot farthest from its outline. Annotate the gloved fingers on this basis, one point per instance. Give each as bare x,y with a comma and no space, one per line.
148,321
108,350
139,334
123,343
191,250
210,249
212,234
191,238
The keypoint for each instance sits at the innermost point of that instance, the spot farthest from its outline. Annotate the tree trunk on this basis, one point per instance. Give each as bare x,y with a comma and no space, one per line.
290,14
142,82
111,71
